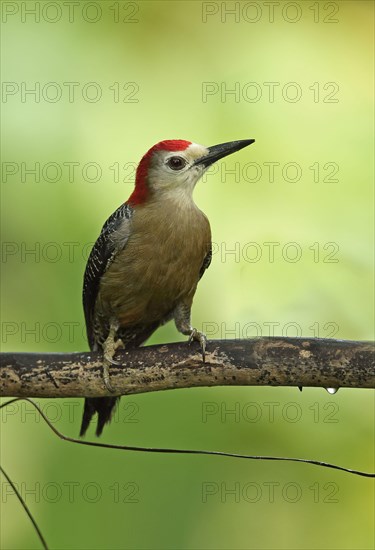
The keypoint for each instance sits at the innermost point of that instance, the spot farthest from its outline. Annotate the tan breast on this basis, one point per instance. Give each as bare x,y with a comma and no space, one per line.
159,265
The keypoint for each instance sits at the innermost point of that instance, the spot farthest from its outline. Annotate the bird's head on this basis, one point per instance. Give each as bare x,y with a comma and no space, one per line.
173,167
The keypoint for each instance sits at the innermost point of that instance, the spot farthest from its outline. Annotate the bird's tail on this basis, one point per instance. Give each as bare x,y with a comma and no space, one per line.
104,406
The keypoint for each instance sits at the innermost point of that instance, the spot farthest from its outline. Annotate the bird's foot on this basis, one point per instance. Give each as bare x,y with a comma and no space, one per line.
110,347
106,378
201,338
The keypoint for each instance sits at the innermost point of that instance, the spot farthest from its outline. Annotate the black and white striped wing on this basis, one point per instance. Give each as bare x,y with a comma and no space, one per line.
102,255
206,262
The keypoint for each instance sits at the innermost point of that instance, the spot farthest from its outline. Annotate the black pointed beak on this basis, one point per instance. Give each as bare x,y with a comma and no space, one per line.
217,152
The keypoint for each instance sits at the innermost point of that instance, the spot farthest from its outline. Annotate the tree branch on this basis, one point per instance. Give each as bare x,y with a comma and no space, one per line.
254,362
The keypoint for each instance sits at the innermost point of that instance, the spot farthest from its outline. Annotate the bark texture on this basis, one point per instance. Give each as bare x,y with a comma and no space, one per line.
254,362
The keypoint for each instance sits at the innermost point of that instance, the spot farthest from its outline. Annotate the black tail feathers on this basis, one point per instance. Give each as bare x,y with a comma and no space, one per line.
104,406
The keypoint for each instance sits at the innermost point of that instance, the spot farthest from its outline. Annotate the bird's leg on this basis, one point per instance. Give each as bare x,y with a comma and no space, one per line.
110,346
182,321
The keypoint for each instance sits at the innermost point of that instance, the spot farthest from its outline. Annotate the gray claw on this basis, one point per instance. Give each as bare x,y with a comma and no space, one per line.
201,338
109,349
106,378
110,360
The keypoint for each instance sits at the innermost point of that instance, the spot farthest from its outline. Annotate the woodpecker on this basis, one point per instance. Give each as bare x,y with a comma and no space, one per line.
144,268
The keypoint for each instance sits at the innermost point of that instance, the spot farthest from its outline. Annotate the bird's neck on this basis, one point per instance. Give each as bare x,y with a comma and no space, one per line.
179,199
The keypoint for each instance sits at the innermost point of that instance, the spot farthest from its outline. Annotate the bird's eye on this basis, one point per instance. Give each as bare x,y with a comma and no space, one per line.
176,163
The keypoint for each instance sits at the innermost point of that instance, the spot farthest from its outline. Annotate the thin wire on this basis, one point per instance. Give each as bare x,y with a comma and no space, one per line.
25,507
186,451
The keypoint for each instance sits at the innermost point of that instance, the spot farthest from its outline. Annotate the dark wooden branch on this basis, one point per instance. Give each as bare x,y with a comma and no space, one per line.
255,362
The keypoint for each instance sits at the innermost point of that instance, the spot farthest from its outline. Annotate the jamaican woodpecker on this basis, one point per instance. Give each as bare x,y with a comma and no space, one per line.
144,268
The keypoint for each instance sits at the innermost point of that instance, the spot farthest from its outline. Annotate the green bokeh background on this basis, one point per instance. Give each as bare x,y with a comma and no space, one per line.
169,52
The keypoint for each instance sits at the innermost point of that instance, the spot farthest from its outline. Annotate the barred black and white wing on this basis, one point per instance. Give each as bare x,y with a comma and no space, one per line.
206,262
105,249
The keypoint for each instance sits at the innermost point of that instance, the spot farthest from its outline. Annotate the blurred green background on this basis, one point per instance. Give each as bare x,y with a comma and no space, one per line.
165,70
